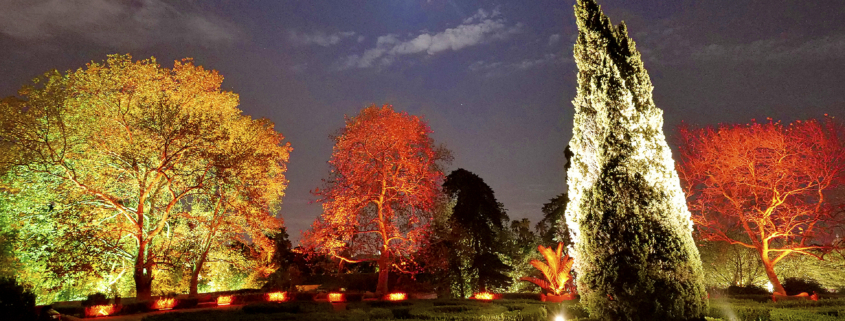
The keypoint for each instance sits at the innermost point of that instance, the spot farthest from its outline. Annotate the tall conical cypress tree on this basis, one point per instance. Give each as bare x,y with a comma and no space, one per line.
632,233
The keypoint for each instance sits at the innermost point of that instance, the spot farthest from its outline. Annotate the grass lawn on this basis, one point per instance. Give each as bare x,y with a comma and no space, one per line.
505,310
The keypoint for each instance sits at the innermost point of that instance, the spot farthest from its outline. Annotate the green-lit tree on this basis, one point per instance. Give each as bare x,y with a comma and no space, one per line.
478,219
632,233
122,149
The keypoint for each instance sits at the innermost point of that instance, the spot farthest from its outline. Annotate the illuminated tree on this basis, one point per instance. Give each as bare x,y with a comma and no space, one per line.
765,186
479,219
247,186
634,253
383,185
130,146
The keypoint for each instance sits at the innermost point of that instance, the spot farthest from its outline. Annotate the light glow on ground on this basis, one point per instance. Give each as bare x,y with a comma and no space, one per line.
397,296
164,304
224,300
277,296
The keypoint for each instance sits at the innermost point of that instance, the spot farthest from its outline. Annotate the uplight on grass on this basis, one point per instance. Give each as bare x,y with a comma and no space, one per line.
224,300
397,297
335,297
164,304
99,310
559,318
486,296
277,296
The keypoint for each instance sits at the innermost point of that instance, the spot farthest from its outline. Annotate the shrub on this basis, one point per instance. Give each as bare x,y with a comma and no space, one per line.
269,307
287,307
16,302
801,315
303,296
358,315
186,303
748,289
457,312
95,299
794,286
389,304
380,313
353,297
401,313
727,311
134,307
521,296
248,297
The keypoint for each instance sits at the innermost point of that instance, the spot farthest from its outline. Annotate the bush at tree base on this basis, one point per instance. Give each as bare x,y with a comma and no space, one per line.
16,302
795,286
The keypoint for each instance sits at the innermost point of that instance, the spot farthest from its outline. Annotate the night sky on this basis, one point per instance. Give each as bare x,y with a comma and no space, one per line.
494,79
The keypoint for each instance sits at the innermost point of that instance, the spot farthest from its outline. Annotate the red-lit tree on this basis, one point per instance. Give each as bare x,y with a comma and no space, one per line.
384,180
765,186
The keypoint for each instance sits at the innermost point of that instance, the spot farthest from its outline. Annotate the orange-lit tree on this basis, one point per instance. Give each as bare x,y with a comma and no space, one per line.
127,146
384,180
765,186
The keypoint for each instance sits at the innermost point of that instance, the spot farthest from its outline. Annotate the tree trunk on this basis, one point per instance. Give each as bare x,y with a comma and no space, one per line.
195,274
383,269
770,272
142,276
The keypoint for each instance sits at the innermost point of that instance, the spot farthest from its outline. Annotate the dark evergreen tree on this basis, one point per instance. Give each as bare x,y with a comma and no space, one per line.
552,218
479,218
632,233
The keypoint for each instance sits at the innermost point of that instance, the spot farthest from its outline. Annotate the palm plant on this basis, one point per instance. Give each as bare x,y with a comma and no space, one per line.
558,279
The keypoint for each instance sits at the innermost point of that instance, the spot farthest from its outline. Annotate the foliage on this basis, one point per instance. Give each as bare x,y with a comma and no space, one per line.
286,274
519,244
553,225
16,302
749,289
725,265
556,271
766,186
828,272
95,299
478,220
794,286
635,256
382,188
781,311
130,151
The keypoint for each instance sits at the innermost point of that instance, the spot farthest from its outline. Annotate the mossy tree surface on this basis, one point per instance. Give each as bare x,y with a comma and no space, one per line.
631,229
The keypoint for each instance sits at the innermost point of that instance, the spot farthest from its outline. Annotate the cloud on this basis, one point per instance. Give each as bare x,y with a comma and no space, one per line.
554,39
668,45
480,28
775,50
497,68
319,38
113,23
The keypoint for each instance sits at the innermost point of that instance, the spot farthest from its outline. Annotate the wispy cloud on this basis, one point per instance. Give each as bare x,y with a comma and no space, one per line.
498,68
554,39
113,23
480,28
775,50
320,38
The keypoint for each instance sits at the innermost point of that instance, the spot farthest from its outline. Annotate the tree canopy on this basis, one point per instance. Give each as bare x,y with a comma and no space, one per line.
766,186
634,253
478,218
130,148
384,180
